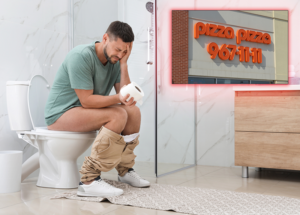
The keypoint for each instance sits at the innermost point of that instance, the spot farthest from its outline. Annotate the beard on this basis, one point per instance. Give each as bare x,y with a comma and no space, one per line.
107,57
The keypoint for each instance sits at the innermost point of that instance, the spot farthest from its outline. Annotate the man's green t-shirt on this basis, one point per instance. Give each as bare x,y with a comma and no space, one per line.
81,69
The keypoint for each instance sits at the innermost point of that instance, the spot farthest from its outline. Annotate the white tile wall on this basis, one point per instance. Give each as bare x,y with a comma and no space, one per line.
33,40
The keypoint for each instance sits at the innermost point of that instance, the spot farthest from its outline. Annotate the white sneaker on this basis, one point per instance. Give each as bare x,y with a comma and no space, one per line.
98,188
133,179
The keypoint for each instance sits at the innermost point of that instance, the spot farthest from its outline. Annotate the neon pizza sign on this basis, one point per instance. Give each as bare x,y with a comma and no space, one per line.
227,32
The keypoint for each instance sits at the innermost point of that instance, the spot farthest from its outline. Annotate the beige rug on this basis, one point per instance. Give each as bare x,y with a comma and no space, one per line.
191,200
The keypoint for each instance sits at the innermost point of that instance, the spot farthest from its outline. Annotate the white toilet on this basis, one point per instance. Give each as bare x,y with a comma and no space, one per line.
57,150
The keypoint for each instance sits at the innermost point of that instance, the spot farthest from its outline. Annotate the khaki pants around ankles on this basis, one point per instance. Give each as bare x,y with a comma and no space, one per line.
109,151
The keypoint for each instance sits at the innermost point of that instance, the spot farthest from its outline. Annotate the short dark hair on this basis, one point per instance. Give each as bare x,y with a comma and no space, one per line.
120,30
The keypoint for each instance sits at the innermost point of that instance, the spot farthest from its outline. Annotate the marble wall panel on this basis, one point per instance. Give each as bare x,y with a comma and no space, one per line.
33,40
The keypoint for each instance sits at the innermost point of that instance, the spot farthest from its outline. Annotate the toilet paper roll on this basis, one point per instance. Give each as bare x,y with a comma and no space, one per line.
135,91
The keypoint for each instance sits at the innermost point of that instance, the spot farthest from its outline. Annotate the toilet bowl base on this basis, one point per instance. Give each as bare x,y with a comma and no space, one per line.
58,153
67,178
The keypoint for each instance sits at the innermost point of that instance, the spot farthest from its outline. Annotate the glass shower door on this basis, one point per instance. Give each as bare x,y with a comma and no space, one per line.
176,113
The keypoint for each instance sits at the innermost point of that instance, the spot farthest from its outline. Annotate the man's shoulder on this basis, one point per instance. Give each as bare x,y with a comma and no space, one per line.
84,50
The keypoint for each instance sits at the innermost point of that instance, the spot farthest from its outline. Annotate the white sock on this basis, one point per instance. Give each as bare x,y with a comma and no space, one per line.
130,137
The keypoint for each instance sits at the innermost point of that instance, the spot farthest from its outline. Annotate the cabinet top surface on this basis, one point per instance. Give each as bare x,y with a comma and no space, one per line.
266,88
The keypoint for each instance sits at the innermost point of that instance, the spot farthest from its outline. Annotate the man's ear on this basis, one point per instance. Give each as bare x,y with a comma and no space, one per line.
105,37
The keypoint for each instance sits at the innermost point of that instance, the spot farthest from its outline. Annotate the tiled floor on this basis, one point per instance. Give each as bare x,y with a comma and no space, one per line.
35,200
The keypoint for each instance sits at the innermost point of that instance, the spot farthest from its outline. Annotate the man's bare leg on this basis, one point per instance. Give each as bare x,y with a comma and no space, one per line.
133,121
118,118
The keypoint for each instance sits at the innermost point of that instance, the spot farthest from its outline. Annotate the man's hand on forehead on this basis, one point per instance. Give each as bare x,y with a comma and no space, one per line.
128,52
128,46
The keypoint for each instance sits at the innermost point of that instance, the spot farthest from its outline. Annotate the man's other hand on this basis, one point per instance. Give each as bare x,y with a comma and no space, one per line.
126,56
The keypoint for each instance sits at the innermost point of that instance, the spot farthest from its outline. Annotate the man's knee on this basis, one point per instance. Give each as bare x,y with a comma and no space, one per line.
134,111
120,114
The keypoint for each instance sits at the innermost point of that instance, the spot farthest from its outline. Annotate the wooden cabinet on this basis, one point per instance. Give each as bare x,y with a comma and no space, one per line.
267,129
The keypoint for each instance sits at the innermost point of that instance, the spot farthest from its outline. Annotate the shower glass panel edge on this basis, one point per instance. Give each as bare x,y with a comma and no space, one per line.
155,52
173,150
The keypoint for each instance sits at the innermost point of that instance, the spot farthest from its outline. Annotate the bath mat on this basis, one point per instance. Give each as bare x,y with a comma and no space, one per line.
191,200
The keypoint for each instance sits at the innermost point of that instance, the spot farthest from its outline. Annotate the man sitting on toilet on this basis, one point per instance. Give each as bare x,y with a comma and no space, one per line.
79,101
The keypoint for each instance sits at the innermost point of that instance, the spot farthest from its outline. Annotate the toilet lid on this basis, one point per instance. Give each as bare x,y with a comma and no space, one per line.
38,92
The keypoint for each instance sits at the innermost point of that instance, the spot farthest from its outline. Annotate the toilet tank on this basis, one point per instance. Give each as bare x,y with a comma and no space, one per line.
17,105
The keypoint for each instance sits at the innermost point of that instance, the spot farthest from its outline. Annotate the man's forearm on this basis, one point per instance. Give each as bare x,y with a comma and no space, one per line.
99,101
125,80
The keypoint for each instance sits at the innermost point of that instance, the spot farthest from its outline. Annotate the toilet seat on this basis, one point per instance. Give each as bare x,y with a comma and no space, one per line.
45,130
42,133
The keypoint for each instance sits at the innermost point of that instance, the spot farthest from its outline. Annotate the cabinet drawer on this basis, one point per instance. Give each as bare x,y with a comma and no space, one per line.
269,150
269,111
